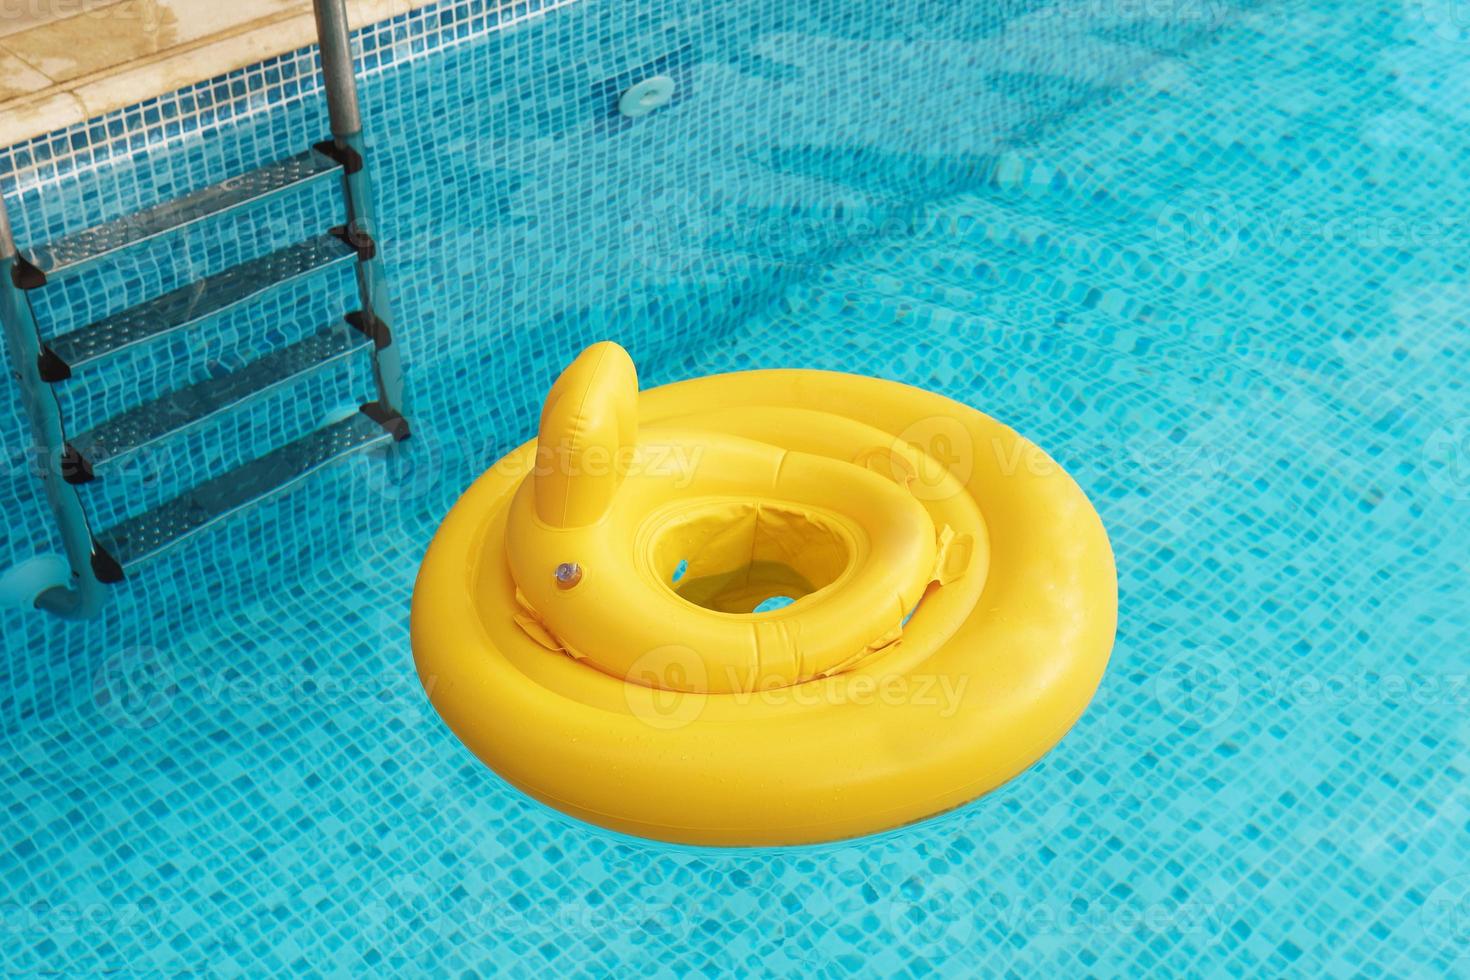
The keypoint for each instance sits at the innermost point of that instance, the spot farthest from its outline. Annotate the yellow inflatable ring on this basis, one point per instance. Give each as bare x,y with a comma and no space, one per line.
775,607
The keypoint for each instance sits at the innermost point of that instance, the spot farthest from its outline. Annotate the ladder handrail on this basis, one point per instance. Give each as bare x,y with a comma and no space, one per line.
84,597
7,237
335,42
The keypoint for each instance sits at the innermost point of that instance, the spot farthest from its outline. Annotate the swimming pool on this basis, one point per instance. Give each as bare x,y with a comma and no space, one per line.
1208,255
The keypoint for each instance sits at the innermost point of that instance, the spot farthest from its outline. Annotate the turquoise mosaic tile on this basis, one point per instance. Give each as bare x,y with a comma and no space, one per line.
1209,255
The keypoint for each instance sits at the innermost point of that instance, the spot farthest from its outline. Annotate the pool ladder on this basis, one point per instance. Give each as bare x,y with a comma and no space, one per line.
69,462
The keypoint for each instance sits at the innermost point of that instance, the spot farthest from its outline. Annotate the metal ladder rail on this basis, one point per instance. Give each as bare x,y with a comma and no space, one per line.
348,148
84,597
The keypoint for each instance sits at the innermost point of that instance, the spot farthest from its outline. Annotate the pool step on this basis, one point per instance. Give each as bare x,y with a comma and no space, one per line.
70,255
185,408
150,534
194,304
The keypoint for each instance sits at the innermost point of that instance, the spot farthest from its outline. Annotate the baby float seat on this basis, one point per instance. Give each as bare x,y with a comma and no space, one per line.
772,607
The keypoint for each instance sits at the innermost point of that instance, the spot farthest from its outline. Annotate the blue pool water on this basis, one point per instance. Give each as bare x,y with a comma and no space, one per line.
1212,256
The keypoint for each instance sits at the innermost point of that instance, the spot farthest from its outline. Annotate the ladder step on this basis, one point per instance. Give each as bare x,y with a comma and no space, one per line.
154,532
69,255
198,302
185,408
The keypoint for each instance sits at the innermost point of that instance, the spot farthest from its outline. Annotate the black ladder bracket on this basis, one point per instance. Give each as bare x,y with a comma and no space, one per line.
393,423
346,157
25,275
109,570
367,249
76,469
371,327
52,366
